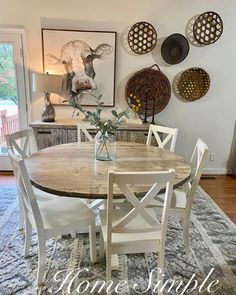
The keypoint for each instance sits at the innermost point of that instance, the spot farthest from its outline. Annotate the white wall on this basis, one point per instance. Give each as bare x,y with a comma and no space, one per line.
212,117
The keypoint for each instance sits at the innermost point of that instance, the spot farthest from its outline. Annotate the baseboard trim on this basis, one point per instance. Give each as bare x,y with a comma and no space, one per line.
218,171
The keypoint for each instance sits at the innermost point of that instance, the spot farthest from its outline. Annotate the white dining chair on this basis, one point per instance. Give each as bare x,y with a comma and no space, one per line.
23,143
163,136
136,228
56,217
183,198
83,129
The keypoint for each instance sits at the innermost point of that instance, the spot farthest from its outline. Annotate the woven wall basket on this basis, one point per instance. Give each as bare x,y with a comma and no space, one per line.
193,84
142,38
174,49
152,88
208,28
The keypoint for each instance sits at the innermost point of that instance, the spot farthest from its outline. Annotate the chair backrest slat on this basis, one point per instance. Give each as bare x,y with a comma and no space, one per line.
22,142
138,207
199,156
82,129
158,181
171,136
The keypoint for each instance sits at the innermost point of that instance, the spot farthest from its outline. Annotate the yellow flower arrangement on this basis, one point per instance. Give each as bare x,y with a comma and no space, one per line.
134,102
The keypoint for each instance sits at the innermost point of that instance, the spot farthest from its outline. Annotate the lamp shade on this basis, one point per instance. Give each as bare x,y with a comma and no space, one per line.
46,83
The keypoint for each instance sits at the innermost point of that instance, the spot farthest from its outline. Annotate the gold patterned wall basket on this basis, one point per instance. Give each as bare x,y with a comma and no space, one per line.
208,28
142,38
175,49
152,88
193,84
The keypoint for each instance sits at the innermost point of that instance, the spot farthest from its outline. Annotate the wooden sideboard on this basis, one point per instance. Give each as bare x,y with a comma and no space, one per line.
65,131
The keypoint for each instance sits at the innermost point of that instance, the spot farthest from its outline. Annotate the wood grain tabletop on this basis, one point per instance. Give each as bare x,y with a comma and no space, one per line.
72,170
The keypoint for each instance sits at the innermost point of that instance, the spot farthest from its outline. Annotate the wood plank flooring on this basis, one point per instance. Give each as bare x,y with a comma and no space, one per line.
7,178
222,189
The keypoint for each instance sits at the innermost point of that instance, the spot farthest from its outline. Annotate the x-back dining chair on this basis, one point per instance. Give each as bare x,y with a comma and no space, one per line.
183,198
23,143
136,228
81,129
169,136
50,219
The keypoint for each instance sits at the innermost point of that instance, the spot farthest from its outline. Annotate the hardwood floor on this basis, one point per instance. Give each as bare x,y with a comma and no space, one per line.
7,178
222,189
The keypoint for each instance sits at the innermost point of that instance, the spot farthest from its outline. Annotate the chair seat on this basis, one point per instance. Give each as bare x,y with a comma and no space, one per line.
119,239
63,212
43,196
178,200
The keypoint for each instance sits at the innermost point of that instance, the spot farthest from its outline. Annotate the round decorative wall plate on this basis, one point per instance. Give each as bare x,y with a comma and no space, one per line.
151,88
174,49
142,37
208,28
193,84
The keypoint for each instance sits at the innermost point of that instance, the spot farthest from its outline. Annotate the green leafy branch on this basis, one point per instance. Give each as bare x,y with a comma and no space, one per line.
94,117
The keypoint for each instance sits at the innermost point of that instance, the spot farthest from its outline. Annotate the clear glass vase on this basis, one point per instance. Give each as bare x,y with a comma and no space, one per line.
105,148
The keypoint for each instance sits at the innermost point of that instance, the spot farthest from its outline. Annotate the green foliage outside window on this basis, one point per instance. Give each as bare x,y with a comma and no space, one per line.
7,73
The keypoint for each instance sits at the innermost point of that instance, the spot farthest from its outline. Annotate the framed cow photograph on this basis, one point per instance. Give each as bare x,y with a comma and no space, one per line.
86,60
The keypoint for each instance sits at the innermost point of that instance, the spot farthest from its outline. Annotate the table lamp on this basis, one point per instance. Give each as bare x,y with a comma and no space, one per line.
47,83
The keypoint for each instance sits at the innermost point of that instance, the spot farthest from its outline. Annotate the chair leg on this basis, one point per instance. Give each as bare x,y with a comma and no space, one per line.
21,215
186,222
42,258
160,275
92,241
101,247
108,266
28,236
73,234
186,237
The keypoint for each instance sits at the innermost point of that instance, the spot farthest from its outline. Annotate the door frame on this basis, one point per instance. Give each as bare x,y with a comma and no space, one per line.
23,122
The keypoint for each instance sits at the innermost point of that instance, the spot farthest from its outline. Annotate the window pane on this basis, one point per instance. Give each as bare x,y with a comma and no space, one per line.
8,94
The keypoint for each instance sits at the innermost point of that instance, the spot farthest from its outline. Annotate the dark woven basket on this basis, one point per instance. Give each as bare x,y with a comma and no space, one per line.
193,84
174,49
152,88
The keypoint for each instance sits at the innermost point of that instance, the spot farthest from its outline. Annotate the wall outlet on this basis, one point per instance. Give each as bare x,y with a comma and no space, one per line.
212,157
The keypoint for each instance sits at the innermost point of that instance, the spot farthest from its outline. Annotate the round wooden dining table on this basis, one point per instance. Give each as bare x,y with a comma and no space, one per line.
72,169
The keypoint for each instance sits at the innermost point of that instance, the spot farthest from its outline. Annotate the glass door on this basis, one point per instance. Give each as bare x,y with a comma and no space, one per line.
13,107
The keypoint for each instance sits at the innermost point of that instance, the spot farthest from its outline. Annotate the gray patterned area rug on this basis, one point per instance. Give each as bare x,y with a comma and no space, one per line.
213,246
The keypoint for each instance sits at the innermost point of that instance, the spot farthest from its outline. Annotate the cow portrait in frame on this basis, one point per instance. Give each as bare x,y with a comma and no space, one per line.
85,59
